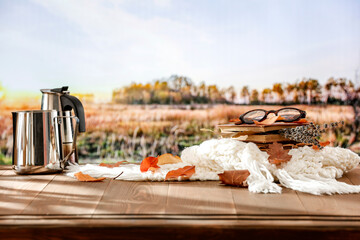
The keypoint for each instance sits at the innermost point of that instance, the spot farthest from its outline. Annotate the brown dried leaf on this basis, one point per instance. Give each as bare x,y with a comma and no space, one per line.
168,158
277,154
87,178
185,173
269,121
235,178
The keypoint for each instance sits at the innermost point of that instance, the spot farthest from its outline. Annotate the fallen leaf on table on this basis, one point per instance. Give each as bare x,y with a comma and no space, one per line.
185,173
323,144
168,158
111,165
87,178
277,154
148,163
269,120
235,178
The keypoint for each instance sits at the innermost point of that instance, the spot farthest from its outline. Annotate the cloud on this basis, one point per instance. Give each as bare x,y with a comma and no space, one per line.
96,46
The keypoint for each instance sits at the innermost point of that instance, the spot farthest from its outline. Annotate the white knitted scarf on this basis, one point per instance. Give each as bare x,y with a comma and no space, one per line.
308,170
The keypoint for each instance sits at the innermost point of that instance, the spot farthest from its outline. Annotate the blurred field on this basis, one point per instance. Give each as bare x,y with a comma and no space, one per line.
132,132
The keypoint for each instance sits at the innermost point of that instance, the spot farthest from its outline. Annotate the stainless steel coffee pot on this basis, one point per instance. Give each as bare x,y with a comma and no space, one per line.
60,100
37,141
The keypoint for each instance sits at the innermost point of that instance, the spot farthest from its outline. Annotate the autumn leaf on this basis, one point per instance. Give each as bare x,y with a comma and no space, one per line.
111,165
148,163
87,178
302,120
168,158
277,154
269,121
234,120
185,173
234,178
323,144
316,148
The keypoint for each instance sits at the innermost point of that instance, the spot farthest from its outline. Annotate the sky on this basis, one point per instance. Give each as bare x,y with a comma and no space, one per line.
97,46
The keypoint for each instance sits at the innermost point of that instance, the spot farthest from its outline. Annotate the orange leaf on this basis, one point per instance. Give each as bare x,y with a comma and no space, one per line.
269,120
302,120
168,158
185,173
234,178
148,163
277,154
111,165
234,120
323,144
87,178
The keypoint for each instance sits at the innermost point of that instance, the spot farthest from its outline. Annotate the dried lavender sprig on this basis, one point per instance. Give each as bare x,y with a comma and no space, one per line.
308,133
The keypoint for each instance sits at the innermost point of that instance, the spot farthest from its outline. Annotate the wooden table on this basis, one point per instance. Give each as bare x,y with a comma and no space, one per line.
59,207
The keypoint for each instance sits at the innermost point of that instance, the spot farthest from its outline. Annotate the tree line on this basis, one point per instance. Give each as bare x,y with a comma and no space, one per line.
182,90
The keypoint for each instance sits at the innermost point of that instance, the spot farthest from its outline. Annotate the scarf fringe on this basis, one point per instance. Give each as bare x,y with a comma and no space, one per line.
315,184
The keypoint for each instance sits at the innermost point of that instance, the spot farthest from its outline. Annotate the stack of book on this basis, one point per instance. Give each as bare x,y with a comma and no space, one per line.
261,135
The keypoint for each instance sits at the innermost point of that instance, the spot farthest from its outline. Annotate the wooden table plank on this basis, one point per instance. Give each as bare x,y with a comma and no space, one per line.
267,204
184,230
337,204
18,191
2,171
354,176
199,198
133,198
65,195
135,210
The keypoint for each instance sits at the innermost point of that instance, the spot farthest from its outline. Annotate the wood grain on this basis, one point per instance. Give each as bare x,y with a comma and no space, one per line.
60,207
262,204
346,204
65,195
354,176
199,198
133,198
18,191
186,231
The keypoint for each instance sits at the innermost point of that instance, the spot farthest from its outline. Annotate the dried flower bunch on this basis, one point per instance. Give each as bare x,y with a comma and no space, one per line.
309,133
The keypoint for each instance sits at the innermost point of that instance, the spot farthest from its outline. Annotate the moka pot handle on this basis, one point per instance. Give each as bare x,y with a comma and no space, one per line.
68,103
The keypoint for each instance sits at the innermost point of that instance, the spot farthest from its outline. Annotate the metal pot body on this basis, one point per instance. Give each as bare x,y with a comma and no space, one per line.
37,146
59,99
51,100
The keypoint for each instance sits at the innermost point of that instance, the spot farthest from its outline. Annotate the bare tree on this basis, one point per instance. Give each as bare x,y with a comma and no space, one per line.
245,94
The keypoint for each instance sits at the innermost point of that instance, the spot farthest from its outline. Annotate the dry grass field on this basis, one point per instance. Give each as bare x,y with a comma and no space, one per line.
133,131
